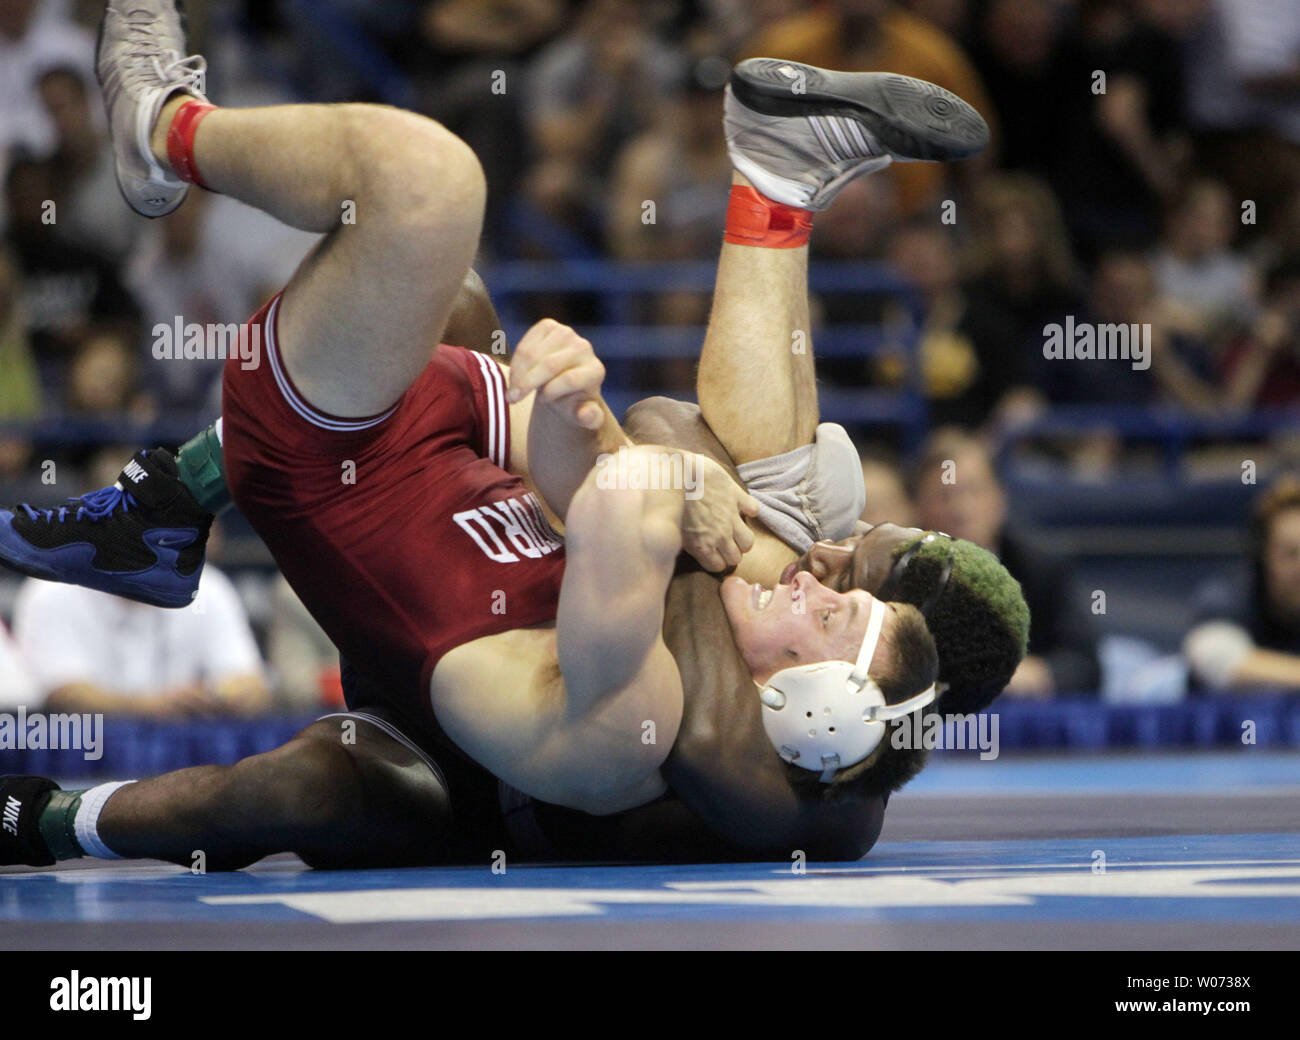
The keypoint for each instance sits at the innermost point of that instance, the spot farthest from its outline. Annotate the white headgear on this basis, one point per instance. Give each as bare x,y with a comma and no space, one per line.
831,715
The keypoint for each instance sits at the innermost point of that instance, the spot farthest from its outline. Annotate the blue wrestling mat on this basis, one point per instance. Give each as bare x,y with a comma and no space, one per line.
1156,852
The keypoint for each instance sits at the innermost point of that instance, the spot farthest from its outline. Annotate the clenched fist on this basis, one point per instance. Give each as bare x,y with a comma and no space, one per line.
561,366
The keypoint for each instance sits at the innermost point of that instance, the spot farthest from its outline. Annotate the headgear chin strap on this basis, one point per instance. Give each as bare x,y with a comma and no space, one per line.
830,715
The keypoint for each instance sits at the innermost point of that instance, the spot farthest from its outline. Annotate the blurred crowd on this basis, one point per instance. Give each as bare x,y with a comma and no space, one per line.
1145,170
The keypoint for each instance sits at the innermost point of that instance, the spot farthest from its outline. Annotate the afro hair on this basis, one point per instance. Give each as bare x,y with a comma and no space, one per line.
980,623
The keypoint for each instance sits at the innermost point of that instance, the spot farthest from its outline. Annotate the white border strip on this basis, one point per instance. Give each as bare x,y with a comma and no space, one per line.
498,419
295,401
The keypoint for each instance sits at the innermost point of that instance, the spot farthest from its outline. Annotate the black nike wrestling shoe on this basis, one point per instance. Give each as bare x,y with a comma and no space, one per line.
21,800
142,538
800,133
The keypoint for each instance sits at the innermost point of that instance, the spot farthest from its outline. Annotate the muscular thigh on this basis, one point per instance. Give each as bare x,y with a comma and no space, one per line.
366,308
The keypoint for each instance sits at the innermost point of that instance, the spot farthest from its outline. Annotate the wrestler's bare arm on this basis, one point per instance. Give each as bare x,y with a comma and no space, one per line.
620,680
570,427
582,715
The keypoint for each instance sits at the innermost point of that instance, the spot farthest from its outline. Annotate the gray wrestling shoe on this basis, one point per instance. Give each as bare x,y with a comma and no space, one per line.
800,133
139,63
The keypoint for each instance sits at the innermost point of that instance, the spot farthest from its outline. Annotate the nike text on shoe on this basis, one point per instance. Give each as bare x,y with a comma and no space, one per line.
21,800
800,133
142,538
140,64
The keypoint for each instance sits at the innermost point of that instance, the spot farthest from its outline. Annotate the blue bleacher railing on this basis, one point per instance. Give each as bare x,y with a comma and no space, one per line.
618,287
1174,429
138,747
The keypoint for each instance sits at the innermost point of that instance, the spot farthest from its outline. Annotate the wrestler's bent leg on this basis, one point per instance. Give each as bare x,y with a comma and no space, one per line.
756,384
365,801
400,201
796,135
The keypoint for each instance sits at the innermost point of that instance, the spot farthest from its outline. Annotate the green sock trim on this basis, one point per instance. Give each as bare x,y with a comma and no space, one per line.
203,470
58,827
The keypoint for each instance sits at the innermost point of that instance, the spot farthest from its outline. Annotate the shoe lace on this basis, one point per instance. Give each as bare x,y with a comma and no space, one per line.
96,506
184,72
167,64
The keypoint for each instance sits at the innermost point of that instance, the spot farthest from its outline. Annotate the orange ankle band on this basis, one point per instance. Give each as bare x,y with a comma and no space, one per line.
755,220
180,140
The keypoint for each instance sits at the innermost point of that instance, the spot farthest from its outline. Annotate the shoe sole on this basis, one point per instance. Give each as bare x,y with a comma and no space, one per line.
141,592
911,118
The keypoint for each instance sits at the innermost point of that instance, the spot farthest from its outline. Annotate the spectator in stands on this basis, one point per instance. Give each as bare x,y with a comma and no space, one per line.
859,222
34,38
469,67
1021,276
1283,237
1016,51
1244,100
184,269
589,92
857,227
101,380
90,210
1262,368
1203,284
16,686
887,497
1247,633
952,16
89,651
1117,157
1181,369
957,490
681,166
67,292
20,389
879,35
963,358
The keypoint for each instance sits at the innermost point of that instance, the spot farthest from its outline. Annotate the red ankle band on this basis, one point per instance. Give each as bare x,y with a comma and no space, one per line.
180,140
755,220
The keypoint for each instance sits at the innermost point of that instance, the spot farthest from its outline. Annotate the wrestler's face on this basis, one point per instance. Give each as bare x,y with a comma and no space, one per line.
800,622
861,561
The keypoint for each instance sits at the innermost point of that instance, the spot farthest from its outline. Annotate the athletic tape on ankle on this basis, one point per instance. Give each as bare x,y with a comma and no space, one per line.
180,140
87,822
755,220
201,466
58,827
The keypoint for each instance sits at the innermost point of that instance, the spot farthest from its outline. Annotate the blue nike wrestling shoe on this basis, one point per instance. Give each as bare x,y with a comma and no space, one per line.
142,538
800,133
